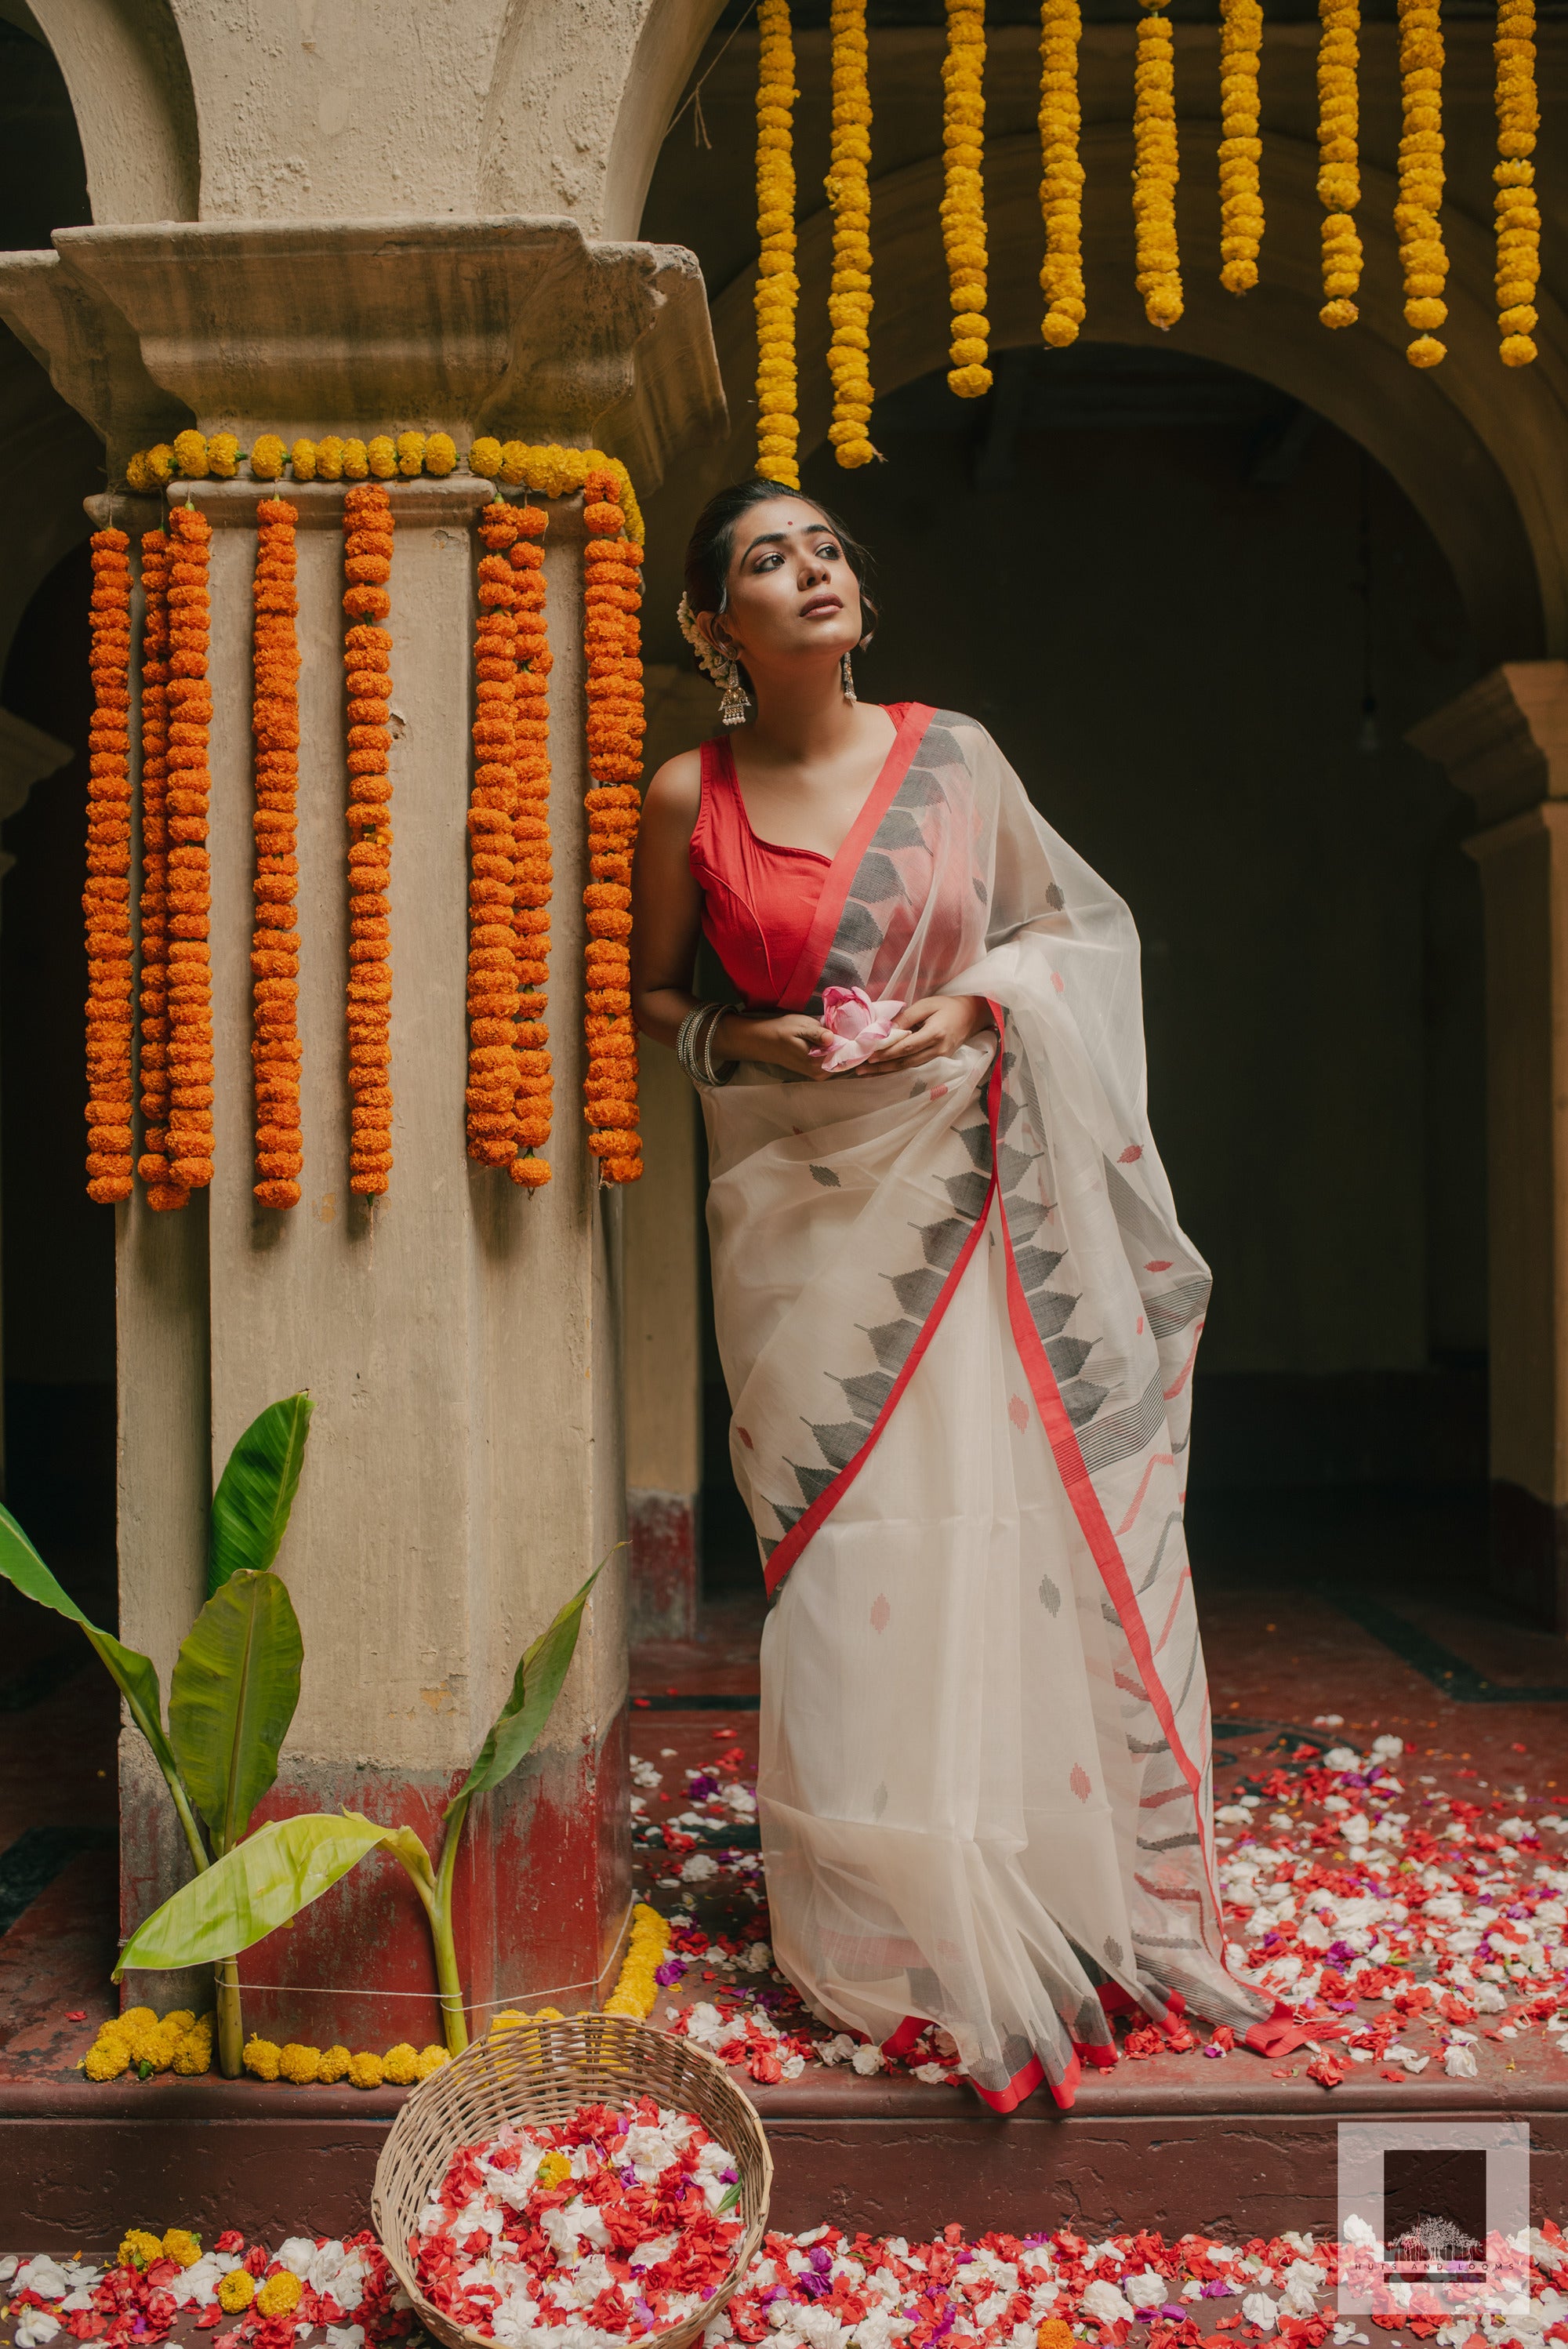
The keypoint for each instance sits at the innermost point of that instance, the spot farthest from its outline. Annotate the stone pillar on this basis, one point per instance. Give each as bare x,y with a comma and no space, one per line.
1505,743
462,1338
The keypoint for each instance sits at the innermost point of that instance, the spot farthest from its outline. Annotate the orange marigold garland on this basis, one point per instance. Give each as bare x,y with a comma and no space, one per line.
189,1146
492,999
613,595
153,1164
531,830
368,659
274,944
106,900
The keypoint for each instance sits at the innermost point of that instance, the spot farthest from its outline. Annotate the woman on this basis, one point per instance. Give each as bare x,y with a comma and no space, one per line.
958,1317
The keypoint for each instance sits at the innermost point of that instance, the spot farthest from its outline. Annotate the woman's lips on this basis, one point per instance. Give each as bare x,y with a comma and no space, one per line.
820,604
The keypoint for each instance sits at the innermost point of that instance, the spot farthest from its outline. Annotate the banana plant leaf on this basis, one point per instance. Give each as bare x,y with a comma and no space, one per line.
535,1689
232,1697
256,1491
133,1672
251,1890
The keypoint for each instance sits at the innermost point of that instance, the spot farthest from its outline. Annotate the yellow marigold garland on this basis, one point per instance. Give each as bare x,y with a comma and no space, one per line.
1516,212
1339,161
492,993
1240,197
535,873
1061,173
137,2041
1156,168
1417,213
848,184
636,1991
274,942
778,286
153,1164
106,900
191,1071
368,566
964,197
612,596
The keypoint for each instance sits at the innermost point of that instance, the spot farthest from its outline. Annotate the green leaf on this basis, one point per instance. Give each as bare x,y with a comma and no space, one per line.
232,1697
535,1689
256,1491
133,1673
251,1890
728,2201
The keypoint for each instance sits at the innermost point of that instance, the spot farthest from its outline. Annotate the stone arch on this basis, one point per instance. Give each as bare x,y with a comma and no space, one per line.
1481,450
125,66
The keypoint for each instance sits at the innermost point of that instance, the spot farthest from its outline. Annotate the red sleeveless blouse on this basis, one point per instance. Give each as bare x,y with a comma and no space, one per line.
761,902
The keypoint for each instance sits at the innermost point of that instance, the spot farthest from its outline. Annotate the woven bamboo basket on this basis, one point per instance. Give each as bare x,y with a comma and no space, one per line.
542,2072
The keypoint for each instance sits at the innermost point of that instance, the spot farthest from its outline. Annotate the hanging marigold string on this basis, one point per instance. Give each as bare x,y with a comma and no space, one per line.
612,596
189,1145
1240,192
1061,173
368,659
153,1164
1339,157
964,196
534,871
778,286
275,940
1517,216
492,1095
848,184
1417,215
1156,168
106,900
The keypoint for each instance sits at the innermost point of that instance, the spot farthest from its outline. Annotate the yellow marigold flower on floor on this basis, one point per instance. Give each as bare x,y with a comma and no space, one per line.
431,2059
191,455
262,2057
135,2018
194,2054
222,455
268,457
182,2246
236,2291
280,2295
139,2249
400,2064
484,457
107,2058
440,454
300,2063
334,2067
365,2072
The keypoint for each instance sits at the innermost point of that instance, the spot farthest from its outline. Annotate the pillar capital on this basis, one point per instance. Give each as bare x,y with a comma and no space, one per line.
519,327
1504,741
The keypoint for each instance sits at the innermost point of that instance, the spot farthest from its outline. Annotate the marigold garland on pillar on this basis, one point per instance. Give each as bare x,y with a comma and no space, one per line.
190,1068
613,597
274,941
778,286
1516,212
1240,196
493,996
1339,157
535,873
106,900
153,995
1417,213
1062,173
368,659
964,197
1156,168
848,184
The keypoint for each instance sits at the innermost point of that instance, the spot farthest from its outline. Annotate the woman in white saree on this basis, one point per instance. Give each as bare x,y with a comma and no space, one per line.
958,1317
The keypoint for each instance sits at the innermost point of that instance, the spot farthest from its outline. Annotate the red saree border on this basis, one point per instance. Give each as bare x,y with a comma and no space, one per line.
787,1551
917,717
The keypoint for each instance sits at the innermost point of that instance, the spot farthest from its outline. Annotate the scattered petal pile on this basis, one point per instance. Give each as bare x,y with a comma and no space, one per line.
345,2286
603,2228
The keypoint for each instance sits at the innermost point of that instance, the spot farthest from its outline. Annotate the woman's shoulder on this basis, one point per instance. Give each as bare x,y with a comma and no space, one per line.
674,791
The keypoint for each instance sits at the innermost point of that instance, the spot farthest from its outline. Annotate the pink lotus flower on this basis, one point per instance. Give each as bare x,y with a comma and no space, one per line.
857,1026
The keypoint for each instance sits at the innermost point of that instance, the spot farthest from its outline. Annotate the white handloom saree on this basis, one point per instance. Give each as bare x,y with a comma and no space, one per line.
958,1320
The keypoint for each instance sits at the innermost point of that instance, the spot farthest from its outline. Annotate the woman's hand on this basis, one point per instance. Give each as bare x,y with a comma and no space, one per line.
786,1041
931,1029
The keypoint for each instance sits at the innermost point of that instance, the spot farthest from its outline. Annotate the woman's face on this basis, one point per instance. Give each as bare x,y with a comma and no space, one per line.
791,591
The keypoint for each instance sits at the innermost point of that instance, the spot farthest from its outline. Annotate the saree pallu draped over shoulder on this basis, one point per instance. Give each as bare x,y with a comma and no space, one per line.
958,1321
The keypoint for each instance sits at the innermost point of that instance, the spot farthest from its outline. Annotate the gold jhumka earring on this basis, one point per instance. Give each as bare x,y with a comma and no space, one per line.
722,667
